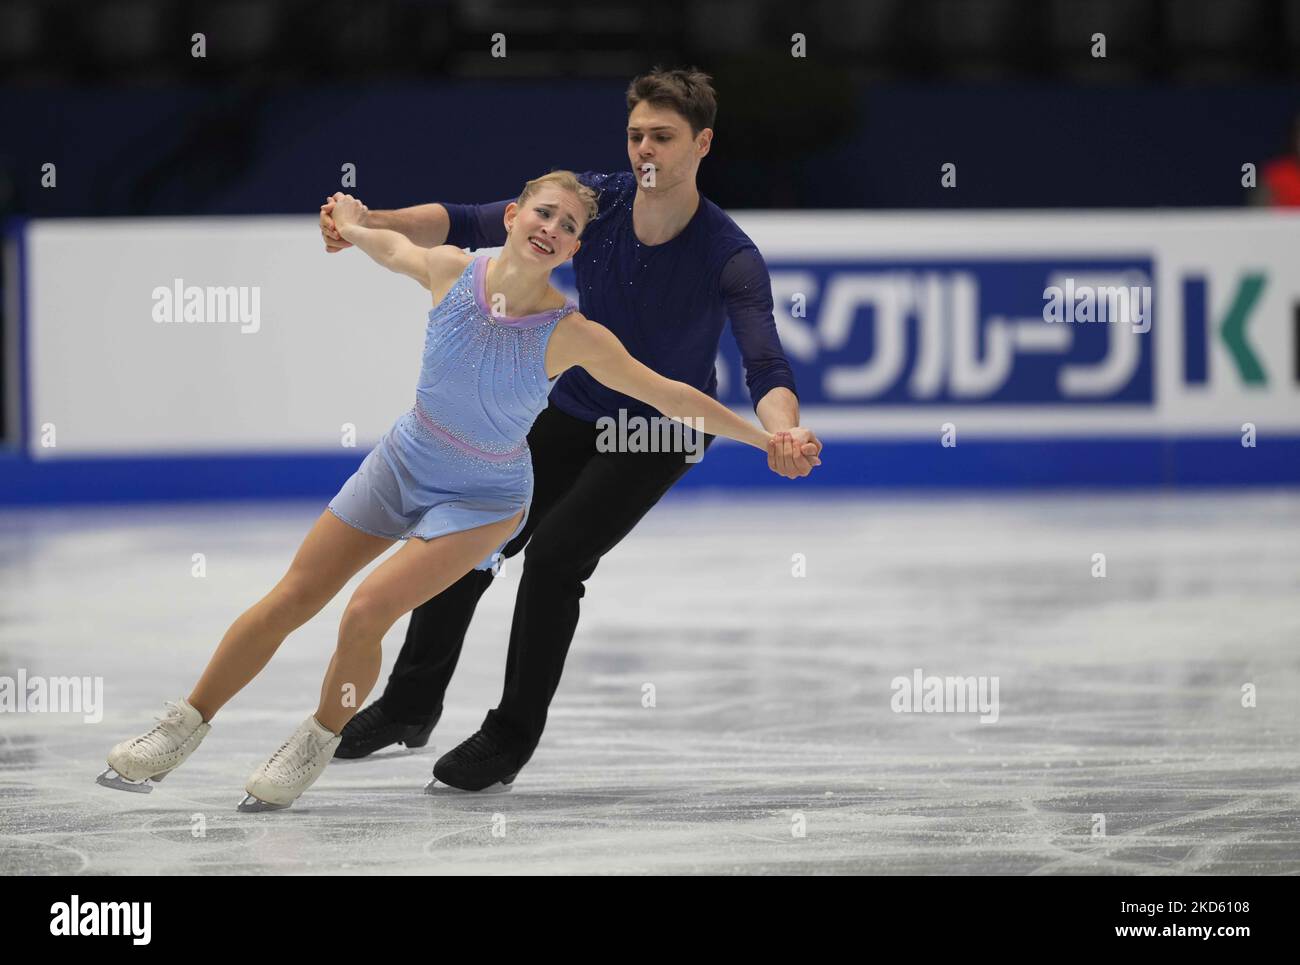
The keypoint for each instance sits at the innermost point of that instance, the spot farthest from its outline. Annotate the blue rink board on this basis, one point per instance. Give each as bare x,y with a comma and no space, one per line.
986,463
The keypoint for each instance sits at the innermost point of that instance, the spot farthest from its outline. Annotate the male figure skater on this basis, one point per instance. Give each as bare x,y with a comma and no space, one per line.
663,268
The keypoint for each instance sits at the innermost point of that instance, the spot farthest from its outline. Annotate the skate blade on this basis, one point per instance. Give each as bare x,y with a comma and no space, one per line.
252,805
434,787
110,778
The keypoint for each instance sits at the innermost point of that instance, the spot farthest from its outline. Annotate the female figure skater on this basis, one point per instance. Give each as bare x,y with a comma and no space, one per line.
455,472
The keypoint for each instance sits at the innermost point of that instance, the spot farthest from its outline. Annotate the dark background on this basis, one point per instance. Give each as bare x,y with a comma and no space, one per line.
407,90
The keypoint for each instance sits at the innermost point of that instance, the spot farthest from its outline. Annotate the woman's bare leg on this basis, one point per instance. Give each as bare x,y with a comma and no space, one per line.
331,554
417,572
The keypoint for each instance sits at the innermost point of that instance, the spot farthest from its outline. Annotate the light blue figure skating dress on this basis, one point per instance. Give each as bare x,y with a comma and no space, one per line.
459,459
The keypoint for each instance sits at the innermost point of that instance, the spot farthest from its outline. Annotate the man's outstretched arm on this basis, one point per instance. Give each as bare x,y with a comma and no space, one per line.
429,225
747,294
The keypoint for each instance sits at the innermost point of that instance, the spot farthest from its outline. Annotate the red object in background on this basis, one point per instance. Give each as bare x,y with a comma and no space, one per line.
1282,178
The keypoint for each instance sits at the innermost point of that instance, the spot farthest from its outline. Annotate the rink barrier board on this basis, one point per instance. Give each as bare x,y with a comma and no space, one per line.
1134,456
887,464
17,400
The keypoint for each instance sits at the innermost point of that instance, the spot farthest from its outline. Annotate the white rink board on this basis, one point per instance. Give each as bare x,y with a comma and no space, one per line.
338,339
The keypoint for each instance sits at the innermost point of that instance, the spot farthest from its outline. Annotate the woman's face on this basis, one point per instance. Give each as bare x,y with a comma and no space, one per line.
551,219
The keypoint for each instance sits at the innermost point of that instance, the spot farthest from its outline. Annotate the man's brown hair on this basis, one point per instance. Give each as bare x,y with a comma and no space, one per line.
688,91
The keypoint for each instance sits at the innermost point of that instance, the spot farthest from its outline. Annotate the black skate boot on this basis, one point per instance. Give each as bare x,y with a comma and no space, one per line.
488,761
372,730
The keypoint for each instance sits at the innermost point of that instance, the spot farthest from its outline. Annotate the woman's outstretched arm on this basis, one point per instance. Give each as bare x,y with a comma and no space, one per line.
388,248
579,341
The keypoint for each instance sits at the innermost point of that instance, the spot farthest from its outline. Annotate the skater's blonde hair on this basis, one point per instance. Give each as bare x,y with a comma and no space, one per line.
565,181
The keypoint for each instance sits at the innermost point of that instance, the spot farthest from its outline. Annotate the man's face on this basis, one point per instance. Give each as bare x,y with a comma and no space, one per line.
661,138
553,218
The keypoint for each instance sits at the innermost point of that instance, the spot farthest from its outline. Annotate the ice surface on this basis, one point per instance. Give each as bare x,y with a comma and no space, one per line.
1118,696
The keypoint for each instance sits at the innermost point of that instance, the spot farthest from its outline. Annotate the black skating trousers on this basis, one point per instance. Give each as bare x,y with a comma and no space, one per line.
584,502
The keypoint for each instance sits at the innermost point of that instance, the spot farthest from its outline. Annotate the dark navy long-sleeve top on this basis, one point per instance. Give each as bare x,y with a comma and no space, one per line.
666,303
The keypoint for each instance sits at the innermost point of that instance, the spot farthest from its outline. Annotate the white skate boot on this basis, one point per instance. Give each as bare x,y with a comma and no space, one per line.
135,763
292,769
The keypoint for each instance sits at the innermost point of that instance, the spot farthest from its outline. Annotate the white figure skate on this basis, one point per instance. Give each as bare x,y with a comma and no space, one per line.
292,769
137,764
